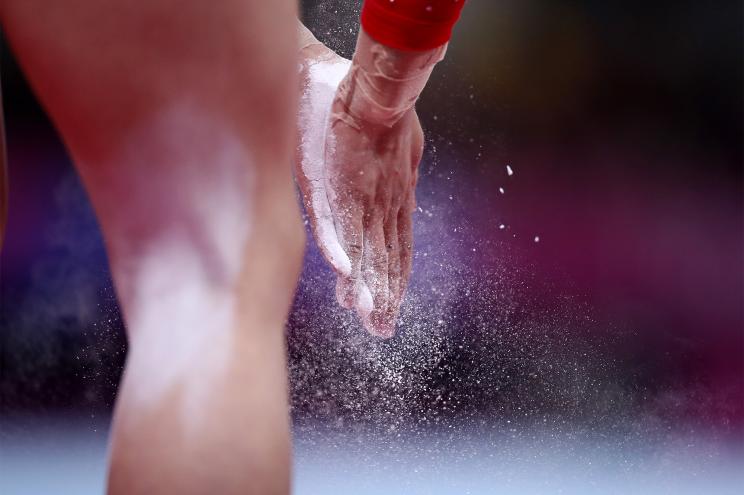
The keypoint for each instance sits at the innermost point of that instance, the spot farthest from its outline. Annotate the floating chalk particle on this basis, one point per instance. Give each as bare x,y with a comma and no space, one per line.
502,226
501,190
509,171
537,238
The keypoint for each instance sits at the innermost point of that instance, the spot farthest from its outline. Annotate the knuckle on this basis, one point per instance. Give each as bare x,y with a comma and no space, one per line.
354,250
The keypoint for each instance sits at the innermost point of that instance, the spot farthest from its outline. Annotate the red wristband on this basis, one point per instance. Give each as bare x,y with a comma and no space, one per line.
412,25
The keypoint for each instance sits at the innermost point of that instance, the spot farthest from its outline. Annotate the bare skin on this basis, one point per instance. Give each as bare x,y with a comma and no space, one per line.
370,160
180,119
185,153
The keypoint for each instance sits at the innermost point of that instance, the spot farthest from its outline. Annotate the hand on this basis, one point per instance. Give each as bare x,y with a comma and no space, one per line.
358,179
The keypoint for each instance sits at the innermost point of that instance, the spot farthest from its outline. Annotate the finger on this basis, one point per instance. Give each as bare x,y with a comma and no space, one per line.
392,243
375,274
410,203
324,231
417,143
310,177
405,252
349,225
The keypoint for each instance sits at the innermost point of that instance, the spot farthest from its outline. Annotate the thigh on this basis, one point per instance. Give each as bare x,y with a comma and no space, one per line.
101,66
179,115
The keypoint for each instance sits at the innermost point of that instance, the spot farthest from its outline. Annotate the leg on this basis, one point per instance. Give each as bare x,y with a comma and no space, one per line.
179,116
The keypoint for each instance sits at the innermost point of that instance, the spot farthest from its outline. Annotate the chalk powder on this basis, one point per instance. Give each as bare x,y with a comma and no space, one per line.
315,108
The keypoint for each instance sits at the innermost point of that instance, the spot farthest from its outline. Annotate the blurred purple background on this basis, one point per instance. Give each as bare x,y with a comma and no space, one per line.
622,122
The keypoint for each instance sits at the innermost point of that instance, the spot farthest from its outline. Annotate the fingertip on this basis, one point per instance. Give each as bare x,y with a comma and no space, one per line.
327,240
343,264
337,258
386,332
378,326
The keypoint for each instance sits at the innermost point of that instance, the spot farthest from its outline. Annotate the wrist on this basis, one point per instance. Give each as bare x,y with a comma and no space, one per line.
383,83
